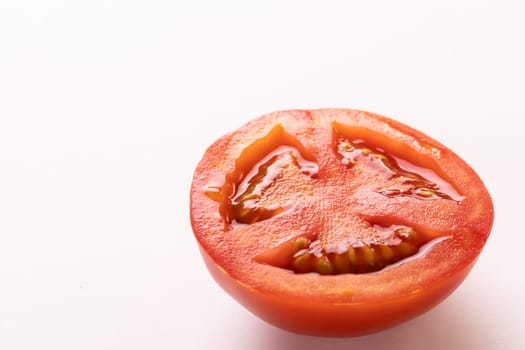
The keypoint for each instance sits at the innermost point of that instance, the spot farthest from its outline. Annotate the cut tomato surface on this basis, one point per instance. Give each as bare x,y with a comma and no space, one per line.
337,222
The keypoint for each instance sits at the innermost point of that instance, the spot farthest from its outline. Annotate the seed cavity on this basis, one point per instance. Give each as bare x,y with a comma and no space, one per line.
257,189
414,181
248,203
399,242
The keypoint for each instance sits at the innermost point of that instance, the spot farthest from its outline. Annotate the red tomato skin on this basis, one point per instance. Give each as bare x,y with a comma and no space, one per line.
337,319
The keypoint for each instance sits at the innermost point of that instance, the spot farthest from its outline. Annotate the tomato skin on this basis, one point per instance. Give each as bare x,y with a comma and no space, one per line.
334,319
348,304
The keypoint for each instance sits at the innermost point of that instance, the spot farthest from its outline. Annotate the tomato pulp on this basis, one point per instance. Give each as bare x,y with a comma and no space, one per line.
337,222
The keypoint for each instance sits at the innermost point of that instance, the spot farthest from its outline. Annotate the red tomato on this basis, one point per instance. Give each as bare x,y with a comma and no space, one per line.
337,222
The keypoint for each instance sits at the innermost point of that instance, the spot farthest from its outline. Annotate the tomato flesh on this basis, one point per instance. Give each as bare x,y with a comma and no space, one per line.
337,222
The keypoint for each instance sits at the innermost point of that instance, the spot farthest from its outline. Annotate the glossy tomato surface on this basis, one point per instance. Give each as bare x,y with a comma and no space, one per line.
337,222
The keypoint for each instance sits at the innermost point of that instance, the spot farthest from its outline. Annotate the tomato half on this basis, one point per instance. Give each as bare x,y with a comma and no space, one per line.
337,222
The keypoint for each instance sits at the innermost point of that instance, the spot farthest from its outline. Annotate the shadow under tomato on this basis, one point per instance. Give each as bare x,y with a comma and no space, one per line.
448,326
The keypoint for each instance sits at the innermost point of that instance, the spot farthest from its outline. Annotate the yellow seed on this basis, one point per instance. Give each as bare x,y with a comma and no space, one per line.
302,263
367,151
352,259
301,243
242,213
382,158
275,211
323,266
405,249
386,253
341,263
250,196
368,257
214,193
425,193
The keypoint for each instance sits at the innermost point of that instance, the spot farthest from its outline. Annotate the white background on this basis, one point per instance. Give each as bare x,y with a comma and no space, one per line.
107,106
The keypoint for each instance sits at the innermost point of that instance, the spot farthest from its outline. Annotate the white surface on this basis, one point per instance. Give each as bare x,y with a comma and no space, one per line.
107,106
